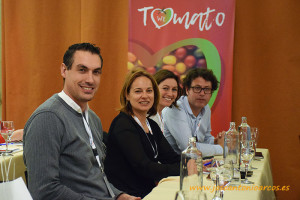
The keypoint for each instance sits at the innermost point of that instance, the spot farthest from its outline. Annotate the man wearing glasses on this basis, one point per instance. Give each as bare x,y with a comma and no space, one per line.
192,118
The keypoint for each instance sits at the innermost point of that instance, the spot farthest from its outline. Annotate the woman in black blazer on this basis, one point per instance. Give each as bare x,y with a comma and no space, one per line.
138,155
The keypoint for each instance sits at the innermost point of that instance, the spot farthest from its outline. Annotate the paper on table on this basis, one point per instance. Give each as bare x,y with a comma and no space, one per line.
12,143
18,143
14,190
2,149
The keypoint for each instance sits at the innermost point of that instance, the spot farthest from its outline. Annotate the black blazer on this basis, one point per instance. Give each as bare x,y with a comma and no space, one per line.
130,164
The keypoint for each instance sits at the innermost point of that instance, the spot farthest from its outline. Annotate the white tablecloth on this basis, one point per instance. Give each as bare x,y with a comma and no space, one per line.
262,176
16,166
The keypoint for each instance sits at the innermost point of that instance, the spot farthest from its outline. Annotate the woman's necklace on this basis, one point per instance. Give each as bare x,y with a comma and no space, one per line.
154,148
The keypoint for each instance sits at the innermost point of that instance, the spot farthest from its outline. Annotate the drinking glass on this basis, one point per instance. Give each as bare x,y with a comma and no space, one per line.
202,195
222,176
179,195
218,195
7,130
247,154
254,136
199,195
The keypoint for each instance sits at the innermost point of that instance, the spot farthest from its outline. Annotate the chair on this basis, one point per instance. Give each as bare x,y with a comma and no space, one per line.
11,188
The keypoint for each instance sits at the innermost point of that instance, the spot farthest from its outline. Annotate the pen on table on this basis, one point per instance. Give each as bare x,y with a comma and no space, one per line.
207,163
5,143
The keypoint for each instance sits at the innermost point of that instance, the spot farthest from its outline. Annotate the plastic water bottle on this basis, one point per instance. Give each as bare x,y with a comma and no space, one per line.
191,171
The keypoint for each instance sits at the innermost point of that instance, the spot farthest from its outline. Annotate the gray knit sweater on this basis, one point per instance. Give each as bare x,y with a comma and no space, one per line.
59,159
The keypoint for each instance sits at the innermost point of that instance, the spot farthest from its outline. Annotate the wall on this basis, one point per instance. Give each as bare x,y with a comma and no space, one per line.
266,82
266,66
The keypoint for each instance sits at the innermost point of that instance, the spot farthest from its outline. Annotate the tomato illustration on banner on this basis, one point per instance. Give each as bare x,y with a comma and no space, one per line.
179,36
176,59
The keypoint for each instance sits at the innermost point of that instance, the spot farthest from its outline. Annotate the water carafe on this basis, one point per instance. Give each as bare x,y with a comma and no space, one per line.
231,152
231,145
191,171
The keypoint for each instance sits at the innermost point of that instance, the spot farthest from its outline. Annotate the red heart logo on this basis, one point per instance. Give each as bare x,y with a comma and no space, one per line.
161,17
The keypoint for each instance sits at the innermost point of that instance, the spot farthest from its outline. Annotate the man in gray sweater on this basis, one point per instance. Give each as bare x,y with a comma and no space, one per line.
63,148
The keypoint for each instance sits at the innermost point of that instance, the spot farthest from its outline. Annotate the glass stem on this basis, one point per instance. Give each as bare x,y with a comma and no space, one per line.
246,171
222,192
218,193
6,142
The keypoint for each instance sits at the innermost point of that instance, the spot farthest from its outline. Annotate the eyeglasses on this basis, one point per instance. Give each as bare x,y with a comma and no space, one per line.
198,89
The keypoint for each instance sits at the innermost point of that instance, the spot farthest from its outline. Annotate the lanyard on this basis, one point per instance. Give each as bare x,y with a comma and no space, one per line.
150,130
160,118
89,131
197,130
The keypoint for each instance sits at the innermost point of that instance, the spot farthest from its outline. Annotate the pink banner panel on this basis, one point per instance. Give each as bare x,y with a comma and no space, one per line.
180,35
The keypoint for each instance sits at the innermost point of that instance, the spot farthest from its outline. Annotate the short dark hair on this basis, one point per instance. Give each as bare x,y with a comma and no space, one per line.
134,74
206,74
68,56
164,74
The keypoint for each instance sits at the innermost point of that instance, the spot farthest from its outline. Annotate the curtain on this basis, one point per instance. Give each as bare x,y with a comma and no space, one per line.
35,36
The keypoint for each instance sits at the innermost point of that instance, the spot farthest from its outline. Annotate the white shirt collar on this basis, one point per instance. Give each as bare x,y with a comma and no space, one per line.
186,104
72,103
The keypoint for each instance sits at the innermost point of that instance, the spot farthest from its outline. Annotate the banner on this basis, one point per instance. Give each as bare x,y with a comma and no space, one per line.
180,35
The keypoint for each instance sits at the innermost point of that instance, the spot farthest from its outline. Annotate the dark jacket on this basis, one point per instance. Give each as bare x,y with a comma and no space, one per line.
130,164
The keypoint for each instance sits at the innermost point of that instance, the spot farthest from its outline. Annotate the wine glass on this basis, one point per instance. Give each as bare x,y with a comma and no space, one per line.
222,176
202,195
254,136
199,195
7,130
218,195
247,154
179,195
